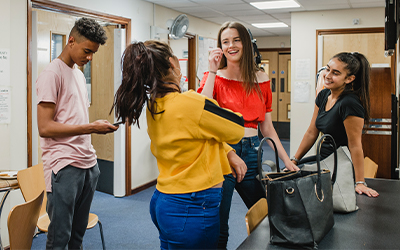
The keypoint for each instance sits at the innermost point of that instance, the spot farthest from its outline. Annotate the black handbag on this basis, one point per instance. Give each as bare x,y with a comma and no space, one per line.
300,206
259,161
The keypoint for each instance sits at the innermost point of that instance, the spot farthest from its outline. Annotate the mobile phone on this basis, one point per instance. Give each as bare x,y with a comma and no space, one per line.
118,123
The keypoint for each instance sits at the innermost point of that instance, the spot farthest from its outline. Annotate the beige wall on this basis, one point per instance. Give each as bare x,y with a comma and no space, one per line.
273,42
303,46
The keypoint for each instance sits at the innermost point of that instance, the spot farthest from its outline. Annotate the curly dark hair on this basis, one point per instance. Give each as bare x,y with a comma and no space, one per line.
90,29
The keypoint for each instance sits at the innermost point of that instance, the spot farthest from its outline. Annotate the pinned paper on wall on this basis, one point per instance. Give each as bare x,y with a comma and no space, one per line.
205,45
301,91
183,64
303,69
5,104
5,67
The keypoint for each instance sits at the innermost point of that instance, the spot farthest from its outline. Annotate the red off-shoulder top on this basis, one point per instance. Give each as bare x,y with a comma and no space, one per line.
230,94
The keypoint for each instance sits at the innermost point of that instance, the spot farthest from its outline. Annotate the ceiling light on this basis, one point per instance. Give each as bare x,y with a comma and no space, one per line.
276,4
269,25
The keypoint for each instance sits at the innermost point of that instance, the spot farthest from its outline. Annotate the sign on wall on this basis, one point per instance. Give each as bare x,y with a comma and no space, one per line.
5,67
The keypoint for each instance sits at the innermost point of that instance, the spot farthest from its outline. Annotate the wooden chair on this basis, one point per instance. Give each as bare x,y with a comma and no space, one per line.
256,214
370,168
22,221
31,182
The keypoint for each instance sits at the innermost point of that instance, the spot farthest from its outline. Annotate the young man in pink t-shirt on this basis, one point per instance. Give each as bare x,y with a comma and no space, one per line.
69,159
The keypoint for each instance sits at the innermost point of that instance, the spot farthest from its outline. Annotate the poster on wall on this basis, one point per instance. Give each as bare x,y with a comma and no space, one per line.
205,45
5,67
5,104
301,92
303,69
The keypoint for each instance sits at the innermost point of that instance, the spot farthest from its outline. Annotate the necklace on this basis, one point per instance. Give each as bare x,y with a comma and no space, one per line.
62,59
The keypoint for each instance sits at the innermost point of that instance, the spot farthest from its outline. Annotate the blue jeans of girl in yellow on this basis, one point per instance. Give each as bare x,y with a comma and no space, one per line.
187,221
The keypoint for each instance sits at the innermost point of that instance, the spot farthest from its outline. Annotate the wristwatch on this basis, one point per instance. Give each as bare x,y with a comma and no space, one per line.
361,182
294,159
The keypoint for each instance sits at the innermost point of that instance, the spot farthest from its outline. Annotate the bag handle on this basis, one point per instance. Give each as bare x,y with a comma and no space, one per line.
332,142
259,159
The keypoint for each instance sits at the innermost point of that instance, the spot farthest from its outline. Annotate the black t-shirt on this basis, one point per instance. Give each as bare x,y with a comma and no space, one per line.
331,121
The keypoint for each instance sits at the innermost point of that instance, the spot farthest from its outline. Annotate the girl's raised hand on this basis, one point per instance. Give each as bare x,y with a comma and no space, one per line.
214,59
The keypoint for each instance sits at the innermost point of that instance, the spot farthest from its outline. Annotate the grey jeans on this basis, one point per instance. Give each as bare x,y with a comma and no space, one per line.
68,206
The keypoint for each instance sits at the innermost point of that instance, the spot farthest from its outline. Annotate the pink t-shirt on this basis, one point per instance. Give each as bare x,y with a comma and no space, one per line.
65,87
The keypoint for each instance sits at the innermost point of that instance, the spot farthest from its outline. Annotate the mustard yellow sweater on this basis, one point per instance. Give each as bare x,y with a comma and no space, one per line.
189,140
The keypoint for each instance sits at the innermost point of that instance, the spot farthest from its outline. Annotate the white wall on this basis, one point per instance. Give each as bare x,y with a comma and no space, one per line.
303,46
196,25
140,13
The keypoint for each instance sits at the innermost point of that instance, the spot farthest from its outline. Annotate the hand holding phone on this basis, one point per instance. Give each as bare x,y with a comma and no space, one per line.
118,123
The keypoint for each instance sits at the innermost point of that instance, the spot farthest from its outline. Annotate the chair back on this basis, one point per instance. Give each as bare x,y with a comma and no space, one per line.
256,214
31,182
22,221
370,168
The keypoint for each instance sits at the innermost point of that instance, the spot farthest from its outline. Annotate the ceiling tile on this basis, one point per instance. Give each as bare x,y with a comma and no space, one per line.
212,2
173,3
367,5
281,15
235,7
219,20
257,18
244,12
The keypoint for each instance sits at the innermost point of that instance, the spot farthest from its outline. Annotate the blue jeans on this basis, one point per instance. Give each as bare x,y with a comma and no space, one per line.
187,221
249,189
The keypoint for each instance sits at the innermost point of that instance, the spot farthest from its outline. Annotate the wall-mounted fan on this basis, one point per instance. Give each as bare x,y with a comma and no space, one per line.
176,28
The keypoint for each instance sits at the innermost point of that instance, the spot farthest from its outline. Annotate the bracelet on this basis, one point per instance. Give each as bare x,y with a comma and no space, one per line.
361,182
295,159
212,72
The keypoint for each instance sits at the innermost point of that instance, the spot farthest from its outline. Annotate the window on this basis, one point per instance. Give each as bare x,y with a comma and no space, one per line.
57,45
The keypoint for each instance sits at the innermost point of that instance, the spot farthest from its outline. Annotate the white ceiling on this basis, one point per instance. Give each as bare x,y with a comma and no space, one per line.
220,11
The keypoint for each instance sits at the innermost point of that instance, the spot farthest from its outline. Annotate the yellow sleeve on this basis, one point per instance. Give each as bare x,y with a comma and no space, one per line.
228,148
220,124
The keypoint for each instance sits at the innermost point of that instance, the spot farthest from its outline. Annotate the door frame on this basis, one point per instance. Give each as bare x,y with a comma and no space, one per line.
76,11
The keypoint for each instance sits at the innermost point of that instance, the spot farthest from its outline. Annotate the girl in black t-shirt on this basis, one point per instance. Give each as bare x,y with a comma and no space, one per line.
341,110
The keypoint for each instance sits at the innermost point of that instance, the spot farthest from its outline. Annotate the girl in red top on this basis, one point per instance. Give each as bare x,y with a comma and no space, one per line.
235,81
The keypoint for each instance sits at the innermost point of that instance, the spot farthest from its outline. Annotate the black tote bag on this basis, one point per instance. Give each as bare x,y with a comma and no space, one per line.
300,206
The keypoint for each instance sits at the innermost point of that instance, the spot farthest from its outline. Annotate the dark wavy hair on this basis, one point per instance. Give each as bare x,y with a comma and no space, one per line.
357,64
89,29
145,73
248,67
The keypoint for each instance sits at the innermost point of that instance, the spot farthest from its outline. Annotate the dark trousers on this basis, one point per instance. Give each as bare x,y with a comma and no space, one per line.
68,206
250,189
